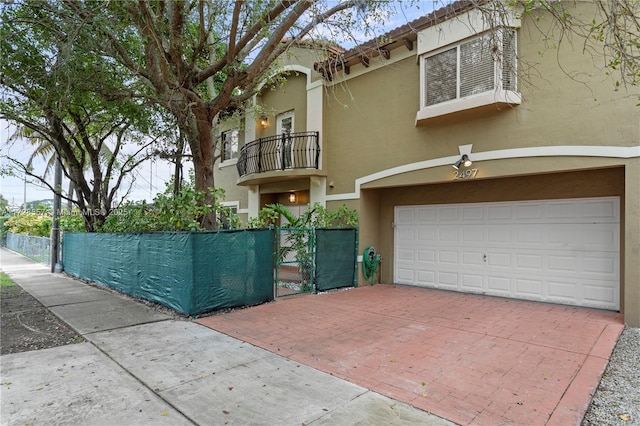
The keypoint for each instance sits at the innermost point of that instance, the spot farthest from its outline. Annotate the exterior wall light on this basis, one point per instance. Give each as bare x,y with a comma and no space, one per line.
264,122
464,161
293,198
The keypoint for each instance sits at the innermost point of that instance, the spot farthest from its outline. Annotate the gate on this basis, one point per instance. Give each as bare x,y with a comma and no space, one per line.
295,260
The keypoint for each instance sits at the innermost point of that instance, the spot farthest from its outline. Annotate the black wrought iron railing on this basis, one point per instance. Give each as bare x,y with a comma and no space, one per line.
280,152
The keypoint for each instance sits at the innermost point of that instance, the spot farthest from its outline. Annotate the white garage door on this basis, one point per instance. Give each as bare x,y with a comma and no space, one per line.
561,251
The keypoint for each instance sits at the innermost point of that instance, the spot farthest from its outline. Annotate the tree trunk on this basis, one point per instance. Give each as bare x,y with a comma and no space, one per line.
177,173
203,149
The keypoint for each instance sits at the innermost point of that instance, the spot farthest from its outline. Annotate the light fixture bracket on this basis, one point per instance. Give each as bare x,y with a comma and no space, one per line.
463,161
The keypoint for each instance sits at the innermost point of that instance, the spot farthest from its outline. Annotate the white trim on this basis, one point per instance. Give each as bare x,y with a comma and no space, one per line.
235,204
539,151
497,95
492,97
315,116
253,200
318,190
288,68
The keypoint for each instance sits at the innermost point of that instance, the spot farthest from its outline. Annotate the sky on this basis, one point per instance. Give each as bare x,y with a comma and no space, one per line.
151,177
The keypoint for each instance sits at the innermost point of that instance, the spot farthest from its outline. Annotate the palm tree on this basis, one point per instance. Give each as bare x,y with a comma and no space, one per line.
44,149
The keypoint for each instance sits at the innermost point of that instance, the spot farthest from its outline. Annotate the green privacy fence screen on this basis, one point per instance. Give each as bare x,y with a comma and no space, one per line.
336,258
189,272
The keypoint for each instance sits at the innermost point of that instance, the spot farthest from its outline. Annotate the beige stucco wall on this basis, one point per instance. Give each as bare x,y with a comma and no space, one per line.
305,57
631,259
567,101
291,96
287,97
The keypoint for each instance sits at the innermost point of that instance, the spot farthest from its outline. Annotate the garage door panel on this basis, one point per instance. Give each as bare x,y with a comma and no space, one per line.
529,236
596,293
447,214
528,211
426,256
472,282
473,234
499,212
529,262
448,235
499,286
603,209
603,266
426,235
561,263
528,288
405,255
499,235
426,278
405,216
407,234
470,258
426,214
405,275
601,238
562,210
473,213
564,251
498,260
448,280
449,257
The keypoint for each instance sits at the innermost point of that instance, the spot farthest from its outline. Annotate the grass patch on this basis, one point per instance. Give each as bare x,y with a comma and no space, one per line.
5,281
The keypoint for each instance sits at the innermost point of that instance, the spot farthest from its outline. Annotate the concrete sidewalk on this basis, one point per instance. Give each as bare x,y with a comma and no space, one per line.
140,366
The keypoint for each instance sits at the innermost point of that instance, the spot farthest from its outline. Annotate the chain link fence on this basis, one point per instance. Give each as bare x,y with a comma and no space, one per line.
35,248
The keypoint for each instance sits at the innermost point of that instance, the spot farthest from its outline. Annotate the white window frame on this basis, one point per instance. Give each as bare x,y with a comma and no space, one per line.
279,131
497,95
234,205
223,147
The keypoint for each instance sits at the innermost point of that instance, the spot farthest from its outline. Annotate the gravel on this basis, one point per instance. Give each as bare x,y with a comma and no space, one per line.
617,399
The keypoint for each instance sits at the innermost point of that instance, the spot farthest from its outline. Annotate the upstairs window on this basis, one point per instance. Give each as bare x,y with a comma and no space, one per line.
229,145
475,72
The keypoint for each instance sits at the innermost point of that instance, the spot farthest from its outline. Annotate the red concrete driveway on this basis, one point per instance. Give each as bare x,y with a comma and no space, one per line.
470,359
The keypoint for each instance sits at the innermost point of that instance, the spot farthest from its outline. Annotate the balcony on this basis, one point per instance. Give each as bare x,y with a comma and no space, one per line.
287,151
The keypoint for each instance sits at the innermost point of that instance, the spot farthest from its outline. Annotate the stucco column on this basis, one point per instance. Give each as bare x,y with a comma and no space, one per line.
250,124
318,190
253,200
314,112
632,243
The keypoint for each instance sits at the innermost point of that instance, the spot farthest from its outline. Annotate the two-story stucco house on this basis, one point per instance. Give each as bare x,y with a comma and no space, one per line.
482,158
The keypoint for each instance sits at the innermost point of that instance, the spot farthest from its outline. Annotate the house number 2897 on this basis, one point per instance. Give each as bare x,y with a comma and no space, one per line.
465,174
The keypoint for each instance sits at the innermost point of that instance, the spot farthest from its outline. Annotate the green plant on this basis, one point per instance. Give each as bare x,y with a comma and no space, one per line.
298,232
183,211
342,217
29,223
316,216
3,227
5,281
73,222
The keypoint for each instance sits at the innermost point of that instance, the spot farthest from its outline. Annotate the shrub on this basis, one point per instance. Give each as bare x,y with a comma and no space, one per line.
169,212
29,223
316,216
